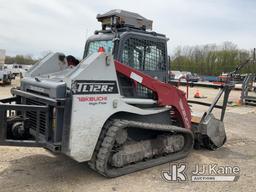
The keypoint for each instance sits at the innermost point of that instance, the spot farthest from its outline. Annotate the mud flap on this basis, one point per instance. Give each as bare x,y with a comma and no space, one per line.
210,133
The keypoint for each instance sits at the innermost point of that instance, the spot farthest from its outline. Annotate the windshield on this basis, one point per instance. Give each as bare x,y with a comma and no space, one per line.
94,46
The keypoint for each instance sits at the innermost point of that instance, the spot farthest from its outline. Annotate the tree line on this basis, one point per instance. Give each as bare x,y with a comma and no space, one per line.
211,59
20,59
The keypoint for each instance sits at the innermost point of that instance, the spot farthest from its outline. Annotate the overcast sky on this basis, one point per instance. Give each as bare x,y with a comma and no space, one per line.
35,26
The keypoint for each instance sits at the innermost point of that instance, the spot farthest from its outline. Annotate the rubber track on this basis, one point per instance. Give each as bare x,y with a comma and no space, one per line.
107,139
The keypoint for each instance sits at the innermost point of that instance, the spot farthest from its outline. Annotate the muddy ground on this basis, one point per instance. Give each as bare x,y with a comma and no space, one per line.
36,169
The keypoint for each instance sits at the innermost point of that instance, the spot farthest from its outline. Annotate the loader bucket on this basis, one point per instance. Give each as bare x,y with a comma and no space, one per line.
210,133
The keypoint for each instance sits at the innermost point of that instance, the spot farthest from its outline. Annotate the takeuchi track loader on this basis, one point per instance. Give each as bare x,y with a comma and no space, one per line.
114,109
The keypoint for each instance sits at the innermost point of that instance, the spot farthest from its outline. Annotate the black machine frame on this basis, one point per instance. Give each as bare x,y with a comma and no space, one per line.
12,106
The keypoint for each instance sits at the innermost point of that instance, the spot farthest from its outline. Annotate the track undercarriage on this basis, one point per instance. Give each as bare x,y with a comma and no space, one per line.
120,151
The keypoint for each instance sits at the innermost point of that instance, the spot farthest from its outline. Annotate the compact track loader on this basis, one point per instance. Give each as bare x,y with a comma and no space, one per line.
115,109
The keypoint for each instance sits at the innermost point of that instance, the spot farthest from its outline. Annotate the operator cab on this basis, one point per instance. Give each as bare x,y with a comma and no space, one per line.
129,38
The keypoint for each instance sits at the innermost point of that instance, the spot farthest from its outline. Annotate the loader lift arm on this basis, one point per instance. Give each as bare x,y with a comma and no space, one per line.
167,95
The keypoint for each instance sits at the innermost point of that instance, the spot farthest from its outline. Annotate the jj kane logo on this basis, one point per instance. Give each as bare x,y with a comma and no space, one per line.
94,87
176,172
201,173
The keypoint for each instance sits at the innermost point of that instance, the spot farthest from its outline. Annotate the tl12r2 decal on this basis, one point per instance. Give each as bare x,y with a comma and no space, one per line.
94,87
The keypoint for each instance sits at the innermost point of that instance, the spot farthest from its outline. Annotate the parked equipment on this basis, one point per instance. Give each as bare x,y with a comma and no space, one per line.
114,109
19,69
5,74
249,84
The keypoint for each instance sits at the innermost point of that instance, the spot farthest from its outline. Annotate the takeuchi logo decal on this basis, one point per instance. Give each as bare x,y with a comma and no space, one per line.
92,99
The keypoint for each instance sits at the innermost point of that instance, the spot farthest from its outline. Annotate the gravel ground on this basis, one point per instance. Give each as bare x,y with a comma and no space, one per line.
36,169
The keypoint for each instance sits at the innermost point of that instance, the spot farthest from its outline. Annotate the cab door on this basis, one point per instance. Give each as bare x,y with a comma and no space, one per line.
145,54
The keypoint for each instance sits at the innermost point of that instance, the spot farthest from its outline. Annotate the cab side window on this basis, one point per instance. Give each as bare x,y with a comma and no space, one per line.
144,55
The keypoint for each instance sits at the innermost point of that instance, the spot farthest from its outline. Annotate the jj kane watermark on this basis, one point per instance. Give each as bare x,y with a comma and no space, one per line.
201,173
